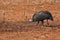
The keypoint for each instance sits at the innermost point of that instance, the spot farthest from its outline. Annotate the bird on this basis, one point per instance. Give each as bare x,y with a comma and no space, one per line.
41,16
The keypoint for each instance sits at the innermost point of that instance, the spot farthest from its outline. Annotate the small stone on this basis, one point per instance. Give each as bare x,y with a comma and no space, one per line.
43,36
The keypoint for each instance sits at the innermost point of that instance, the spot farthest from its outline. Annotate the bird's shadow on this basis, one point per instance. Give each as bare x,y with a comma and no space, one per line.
57,25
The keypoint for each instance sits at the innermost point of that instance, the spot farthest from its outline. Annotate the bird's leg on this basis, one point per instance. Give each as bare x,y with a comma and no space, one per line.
47,22
42,23
37,23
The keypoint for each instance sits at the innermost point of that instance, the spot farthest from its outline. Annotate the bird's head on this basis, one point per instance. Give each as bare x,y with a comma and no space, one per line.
30,20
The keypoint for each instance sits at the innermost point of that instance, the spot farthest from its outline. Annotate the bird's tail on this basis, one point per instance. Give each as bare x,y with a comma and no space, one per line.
51,18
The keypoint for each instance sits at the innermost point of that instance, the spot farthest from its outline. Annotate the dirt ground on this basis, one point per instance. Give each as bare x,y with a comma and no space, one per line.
28,31
14,16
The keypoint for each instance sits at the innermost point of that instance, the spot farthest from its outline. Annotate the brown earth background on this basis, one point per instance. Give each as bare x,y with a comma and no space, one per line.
14,15
19,10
